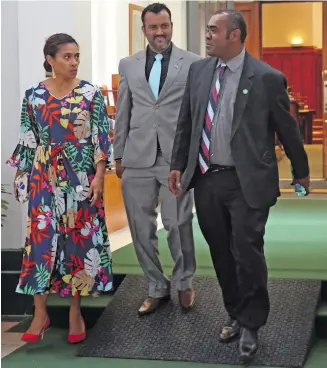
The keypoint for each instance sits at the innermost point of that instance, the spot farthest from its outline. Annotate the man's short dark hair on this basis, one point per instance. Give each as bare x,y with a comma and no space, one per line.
155,8
235,21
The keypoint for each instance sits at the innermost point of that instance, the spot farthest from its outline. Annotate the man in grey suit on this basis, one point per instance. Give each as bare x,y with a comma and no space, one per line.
150,93
225,148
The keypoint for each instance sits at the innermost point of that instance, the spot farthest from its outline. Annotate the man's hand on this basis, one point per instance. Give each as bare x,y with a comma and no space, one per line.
174,182
119,169
305,182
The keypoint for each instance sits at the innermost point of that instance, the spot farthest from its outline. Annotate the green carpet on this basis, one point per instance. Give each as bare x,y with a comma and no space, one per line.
54,351
295,243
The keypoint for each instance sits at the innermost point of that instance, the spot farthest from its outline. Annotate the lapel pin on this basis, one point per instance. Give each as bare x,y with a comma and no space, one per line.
245,91
176,66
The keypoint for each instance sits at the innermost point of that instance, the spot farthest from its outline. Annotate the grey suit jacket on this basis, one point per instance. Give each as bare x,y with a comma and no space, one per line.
140,119
261,109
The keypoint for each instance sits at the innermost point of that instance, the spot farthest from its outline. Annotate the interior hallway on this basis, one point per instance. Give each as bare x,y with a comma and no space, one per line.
314,152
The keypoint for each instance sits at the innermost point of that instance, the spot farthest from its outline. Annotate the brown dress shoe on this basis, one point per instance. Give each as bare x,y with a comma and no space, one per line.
152,304
187,298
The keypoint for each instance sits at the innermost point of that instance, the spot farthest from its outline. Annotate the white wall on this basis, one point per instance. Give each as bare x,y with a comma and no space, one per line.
11,233
110,33
38,20
25,25
178,15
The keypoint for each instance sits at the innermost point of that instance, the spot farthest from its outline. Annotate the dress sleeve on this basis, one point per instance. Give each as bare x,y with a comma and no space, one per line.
23,155
100,127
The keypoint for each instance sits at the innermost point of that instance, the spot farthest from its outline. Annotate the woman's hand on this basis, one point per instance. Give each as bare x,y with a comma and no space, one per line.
96,188
18,173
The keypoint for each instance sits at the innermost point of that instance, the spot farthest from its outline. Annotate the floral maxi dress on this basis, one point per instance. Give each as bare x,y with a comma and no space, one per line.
61,141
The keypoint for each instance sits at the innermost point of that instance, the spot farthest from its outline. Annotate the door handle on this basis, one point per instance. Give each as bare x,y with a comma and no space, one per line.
324,73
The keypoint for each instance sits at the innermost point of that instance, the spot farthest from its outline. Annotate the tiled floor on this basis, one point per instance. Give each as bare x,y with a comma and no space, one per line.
10,341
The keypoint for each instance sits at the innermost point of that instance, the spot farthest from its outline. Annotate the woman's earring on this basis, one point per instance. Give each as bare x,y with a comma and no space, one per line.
53,73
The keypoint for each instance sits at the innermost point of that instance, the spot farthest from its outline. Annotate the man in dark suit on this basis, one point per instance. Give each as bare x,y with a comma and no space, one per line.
225,148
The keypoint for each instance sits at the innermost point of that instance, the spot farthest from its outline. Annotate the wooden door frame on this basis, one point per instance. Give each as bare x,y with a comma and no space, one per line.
324,68
259,11
324,50
254,7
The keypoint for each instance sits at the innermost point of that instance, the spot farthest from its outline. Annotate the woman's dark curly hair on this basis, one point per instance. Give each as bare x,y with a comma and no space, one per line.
52,45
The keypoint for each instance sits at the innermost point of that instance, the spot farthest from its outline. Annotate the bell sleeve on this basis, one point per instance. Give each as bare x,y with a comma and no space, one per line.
100,128
23,155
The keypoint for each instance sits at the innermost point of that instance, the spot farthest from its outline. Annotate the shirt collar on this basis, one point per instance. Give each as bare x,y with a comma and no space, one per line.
234,63
165,53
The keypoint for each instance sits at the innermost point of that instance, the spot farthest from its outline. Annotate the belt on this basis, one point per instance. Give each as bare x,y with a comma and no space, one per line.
216,168
57,152
62,175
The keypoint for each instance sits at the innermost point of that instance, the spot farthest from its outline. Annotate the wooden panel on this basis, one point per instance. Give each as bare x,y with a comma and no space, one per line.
135,12
324,150
114,208
324,37
324,68
115,85
302,68
252,15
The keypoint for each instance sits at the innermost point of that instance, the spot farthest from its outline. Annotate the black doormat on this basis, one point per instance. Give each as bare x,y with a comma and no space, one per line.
170,334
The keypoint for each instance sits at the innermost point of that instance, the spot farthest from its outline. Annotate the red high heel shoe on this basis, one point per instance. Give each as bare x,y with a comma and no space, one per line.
29,337
76,338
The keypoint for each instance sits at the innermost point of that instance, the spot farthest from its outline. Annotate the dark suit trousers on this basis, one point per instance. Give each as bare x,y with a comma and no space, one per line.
234,233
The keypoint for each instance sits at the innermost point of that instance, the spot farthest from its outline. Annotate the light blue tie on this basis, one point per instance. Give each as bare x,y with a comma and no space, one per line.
155,74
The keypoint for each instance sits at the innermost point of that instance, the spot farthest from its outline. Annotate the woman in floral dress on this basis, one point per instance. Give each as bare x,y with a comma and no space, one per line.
64,145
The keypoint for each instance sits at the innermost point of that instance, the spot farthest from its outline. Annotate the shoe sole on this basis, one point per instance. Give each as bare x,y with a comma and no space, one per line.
246,359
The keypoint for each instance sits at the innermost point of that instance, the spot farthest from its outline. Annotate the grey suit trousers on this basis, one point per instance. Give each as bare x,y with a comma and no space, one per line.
142,189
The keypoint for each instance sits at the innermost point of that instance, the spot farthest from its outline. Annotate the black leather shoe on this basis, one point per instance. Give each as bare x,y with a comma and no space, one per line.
230,332
248,345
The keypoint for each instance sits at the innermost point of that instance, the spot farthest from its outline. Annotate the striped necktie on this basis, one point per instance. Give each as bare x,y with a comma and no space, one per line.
155,74
204,154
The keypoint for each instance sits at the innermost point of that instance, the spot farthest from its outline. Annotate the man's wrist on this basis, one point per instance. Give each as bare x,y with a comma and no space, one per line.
100,175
